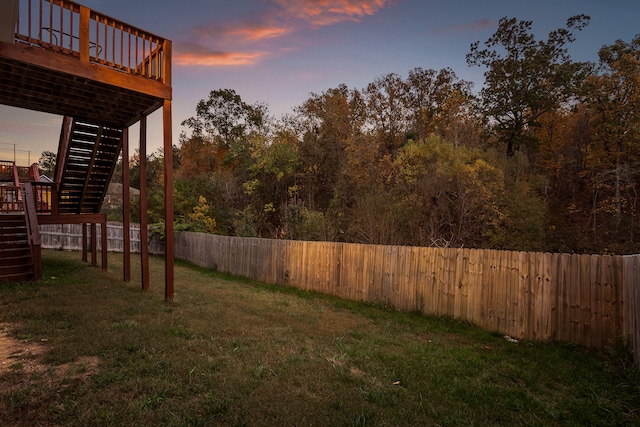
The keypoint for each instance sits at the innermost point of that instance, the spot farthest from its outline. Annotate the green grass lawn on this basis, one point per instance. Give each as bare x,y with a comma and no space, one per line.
240,353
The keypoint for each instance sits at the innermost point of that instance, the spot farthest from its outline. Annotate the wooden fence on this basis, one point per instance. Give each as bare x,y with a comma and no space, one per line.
69,237
589,300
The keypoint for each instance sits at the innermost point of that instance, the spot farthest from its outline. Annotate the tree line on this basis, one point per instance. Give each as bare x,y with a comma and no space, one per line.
545,157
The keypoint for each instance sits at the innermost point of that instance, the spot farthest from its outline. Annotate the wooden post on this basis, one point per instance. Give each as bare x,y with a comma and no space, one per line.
8,20
105,243
126,208
168,201
94,245
166,69
84,242
144,223
85,16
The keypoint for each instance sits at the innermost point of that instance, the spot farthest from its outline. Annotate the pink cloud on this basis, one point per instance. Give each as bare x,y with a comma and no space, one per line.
330,12
246,42
195,55
261,33
242,32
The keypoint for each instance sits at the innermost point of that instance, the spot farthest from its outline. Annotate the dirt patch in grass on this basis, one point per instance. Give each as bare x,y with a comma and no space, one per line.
16,354
25,356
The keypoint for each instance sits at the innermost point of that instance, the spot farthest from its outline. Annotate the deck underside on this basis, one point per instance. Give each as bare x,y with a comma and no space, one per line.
86,92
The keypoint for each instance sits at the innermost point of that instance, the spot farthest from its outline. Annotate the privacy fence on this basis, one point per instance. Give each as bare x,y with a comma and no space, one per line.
69,237
589,300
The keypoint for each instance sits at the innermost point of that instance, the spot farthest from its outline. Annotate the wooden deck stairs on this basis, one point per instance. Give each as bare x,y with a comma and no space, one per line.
86,160
16,260
19,236
87,156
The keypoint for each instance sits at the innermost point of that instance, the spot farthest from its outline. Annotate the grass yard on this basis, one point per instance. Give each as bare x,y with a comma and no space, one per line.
89,349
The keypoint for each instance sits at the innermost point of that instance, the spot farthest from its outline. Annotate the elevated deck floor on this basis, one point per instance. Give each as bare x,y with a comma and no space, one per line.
52,82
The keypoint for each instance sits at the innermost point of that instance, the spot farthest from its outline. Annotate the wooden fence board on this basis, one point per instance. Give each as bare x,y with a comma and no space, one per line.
438,299
422,280
472,285
430,281
374,257
618,299
523,296
574,299
454,259
608,297
555,295
461,292
513,312
347,273
585,299
596,302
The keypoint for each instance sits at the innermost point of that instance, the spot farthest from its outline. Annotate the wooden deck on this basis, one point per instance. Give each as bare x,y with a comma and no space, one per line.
69,60
102,75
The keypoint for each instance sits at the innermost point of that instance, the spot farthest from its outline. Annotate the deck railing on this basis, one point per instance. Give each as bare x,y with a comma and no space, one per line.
7,170
43,196
68,27
10,199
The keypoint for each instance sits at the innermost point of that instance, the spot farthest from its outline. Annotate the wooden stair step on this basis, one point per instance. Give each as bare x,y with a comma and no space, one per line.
15,252
7,226
14,245
25,267
12,238
10,262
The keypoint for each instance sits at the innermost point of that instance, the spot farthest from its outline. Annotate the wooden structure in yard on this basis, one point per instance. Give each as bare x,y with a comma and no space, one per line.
102,75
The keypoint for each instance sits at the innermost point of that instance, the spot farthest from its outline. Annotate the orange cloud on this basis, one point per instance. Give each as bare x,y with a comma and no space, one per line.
190,54
260,33
330,12
242,32
246,42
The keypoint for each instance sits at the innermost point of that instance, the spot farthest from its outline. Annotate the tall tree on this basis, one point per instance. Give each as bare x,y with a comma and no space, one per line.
225,117
613,95
525,78
428,94
332,120
387,110
47,163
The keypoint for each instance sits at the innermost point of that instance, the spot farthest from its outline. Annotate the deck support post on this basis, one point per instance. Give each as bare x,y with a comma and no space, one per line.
84,242
105,244
144,222
168,201
126,208
94,245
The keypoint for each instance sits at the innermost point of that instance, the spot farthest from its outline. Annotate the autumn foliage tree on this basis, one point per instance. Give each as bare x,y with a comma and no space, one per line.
525,78
613,159
414,161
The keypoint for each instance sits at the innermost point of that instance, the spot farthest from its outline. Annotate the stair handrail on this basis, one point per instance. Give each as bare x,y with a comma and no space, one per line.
34,172
63,147
16,175
33,231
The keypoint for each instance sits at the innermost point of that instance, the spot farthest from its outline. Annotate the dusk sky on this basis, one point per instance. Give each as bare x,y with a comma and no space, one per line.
279,51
